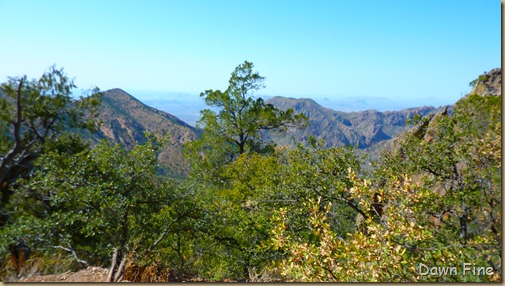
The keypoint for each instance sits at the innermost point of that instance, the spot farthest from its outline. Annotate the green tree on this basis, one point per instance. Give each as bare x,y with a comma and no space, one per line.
239,124
379,254
234,141
459,159
34,115
441,206
96,203
259,184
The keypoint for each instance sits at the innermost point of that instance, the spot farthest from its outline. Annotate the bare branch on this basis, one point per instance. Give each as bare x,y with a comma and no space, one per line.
71,250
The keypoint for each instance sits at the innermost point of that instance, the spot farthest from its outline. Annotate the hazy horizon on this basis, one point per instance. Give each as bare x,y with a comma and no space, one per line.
187,106
397,50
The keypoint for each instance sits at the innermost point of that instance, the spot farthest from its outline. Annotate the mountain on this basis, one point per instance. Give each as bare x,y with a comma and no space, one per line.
487,84
362,129
124,119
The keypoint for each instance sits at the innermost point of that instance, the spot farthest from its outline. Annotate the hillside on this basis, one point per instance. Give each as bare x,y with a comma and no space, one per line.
362,129
124,119
258,216
487,84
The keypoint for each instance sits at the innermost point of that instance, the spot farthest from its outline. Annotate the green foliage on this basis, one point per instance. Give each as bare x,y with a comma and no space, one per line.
460,157
94,201
239,213
389,250
481,78
414,120
235,223
309,213
34,116
238,126
315,171
448,213
232,167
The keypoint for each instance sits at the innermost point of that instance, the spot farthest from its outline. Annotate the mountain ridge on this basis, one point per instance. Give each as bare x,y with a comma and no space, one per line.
487,84
338,128
125,118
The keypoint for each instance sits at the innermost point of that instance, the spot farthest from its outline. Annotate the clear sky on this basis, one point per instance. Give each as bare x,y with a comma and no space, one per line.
335,48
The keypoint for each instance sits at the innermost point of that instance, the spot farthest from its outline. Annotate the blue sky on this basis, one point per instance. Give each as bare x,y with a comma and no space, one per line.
394,49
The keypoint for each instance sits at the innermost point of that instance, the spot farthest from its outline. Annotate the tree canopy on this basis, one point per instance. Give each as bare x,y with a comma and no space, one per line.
241,120
35,115
250,210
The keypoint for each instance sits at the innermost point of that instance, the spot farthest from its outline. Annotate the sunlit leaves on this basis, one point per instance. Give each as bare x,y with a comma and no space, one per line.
238,126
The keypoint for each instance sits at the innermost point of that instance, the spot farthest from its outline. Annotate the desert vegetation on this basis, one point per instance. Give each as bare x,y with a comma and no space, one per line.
248,209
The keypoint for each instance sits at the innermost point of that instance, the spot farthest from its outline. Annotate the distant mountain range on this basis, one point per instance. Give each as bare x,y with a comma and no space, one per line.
125,119
352,104
186,106
360,129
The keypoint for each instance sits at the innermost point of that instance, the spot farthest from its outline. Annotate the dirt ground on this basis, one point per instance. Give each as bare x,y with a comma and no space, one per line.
98,274
90,274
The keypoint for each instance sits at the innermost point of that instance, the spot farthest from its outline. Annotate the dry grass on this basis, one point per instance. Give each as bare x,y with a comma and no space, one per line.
35,266
267,275
152,272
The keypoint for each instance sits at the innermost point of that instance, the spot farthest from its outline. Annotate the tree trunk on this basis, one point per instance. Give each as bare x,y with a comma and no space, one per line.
112,266
463,221
119,272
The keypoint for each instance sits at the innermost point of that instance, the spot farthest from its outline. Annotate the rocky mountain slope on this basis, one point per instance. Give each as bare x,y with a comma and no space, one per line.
124,119
487,84
362,129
